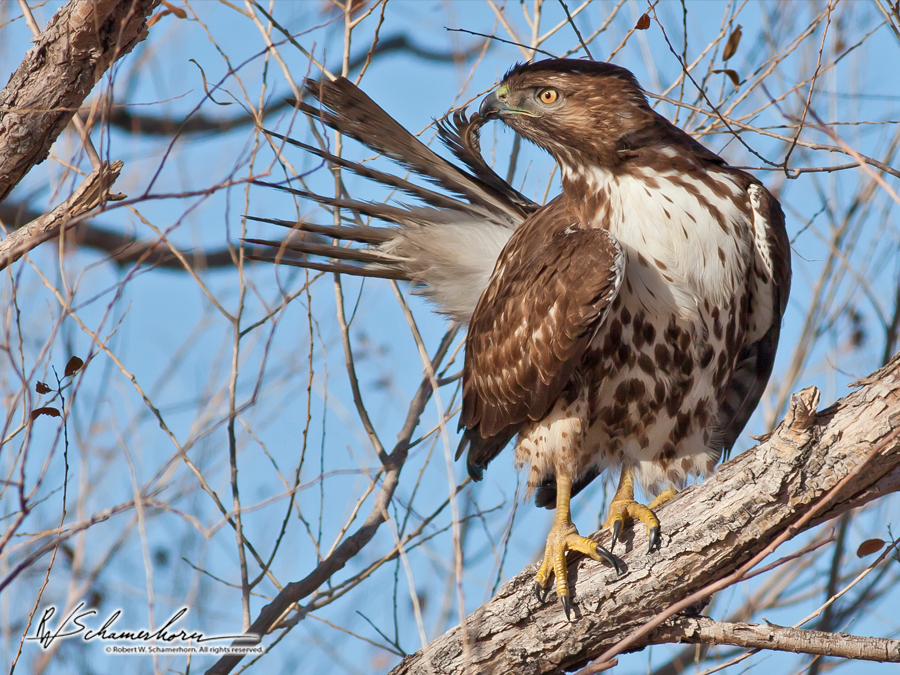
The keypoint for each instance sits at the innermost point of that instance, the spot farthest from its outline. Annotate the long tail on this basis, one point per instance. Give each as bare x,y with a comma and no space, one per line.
446,245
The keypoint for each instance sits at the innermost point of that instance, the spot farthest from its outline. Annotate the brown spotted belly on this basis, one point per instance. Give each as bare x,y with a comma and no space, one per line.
646,394
653,395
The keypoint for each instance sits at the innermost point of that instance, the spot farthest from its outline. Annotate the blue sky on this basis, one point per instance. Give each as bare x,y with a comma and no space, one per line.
165,329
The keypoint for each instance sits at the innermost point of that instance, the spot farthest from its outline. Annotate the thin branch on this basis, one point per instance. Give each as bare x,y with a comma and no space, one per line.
703,630
272,613
861,159
577,32
122,117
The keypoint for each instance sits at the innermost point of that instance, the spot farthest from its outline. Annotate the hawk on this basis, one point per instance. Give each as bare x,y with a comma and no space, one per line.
631,322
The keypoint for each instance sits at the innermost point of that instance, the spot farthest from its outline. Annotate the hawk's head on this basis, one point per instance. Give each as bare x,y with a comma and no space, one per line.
579,111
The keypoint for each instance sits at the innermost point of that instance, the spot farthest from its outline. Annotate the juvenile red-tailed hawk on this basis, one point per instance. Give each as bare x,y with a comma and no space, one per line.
629,323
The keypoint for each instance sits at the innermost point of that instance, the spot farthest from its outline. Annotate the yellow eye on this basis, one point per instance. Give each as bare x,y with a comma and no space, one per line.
548,96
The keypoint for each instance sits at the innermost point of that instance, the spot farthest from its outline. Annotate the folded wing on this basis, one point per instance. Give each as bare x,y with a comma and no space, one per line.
550,292
768,300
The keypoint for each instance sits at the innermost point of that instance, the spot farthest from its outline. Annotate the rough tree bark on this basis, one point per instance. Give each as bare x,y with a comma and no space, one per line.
709,530
81,42
92,192
703,630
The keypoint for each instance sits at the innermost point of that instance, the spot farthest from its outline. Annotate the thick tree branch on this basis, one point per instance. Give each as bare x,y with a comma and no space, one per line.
123,250
710,530
92,192
704,630
81,42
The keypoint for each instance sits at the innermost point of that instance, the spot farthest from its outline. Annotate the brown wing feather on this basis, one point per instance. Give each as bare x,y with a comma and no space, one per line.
548,295
756,359
347,109
461,136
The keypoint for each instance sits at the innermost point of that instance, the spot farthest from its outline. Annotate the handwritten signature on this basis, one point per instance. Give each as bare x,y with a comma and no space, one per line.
74,624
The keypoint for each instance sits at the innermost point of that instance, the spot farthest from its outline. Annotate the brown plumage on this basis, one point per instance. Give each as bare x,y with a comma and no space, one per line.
533,324
629,323
634,144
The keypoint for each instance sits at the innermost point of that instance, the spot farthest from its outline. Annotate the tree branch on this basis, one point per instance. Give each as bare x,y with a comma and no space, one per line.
92,192
272,614
82,40
704,630
123,250
121,116
710,530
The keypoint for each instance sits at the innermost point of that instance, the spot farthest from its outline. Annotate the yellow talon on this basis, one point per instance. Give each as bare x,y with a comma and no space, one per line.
662,498
564,537
623,508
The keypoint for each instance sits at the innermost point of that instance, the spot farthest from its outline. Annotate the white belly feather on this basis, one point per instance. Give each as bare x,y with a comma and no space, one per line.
681,264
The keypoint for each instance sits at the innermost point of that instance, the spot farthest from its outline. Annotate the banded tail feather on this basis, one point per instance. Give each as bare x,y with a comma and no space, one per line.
446,244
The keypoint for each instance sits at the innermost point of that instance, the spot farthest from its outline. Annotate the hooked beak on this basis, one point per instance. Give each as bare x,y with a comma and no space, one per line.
492,106
496,104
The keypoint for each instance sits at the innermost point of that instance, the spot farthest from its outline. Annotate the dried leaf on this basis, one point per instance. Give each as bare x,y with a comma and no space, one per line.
732,44
42,388
643,22
73,366
177,11
51,412
869,547
732,75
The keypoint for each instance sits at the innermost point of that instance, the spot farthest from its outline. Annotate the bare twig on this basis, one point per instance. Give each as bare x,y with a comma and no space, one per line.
296,591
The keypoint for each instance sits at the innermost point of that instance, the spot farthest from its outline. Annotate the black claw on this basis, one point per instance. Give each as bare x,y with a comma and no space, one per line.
565,603
617,530
540,592
617,565
654,539
610,558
